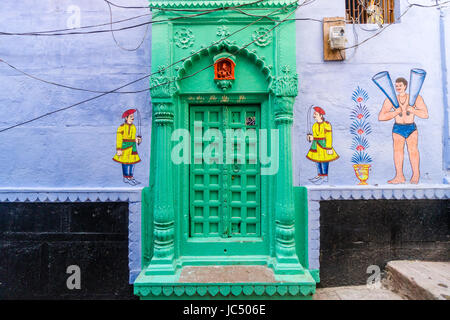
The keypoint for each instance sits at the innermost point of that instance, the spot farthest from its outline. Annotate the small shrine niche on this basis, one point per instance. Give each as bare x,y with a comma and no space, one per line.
224,69
224,65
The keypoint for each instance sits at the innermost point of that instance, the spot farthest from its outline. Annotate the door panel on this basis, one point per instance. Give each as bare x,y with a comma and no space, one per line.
225,191
205,179
244,178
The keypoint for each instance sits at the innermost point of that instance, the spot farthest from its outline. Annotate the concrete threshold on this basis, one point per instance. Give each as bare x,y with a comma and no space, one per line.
363,292
405,280
419,280
228,282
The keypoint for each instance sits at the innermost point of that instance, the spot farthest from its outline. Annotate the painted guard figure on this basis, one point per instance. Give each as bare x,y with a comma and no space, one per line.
126,147
321,150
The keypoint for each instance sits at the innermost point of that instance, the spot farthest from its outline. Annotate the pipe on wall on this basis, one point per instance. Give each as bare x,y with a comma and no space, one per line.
446,151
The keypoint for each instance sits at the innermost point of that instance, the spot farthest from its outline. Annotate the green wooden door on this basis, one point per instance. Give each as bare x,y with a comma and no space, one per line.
224,172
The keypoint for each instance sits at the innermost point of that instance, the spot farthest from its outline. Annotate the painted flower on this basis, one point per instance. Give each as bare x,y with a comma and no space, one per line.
360,127
360,95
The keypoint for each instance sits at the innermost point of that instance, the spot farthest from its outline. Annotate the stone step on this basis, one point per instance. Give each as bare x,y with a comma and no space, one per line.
419,280
356,293
225,282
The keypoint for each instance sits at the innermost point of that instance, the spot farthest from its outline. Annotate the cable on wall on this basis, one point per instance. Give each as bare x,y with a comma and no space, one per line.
188,76
306,2
146,76
114,37
62,32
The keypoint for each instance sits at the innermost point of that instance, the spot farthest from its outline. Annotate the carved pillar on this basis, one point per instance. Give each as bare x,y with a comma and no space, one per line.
163,262
285,89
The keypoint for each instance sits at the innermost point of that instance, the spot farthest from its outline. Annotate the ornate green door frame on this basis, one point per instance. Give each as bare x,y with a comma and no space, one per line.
225,201
184,51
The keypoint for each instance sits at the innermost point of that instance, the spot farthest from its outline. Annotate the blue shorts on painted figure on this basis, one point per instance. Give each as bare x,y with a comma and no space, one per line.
404,129
403,108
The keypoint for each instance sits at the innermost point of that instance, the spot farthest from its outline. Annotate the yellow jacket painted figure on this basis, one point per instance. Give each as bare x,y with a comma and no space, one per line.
126,141
322,142
126,147
321,151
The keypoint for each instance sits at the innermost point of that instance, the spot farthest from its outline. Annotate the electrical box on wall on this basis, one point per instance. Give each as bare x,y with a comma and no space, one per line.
334,39
337,38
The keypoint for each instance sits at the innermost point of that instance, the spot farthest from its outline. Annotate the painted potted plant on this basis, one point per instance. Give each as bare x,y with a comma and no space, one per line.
360,128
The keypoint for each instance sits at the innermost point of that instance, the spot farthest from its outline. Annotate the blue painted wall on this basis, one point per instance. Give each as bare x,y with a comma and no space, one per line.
73,148
414,42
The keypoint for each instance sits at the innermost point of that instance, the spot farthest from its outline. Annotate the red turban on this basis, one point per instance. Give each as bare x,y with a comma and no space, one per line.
128,112
319,110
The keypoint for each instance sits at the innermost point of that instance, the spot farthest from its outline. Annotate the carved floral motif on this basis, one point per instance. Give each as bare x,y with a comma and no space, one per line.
224,84
222,32
184,38
262,36
287,84
161,85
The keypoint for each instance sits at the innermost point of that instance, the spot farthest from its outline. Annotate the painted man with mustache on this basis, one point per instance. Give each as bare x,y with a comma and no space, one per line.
404,130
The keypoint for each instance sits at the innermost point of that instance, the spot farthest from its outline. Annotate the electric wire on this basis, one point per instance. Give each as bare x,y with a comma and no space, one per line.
55,83
427,6
241,48
61,32
114,37
306,2
95,25
378,33
139,91
146,76
152,7
48,34
357,21
71,106
174,9
410,5
130,92
284,20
